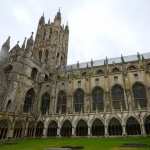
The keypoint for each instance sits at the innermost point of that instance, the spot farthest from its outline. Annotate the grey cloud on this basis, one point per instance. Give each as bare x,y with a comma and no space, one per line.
97,28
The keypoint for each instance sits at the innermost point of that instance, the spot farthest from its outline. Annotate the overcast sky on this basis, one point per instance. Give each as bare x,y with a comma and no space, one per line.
98,28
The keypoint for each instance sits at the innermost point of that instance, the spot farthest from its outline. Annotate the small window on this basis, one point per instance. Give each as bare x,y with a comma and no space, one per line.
99,71
132,68
115,70
79,83
84,74
46,77
34,74
8,69
46,55
40,55
57,55
115,78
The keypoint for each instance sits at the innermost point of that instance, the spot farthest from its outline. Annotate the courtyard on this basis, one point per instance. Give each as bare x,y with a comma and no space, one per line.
124,143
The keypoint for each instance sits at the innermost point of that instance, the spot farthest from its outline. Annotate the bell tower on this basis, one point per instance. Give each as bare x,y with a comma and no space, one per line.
51,42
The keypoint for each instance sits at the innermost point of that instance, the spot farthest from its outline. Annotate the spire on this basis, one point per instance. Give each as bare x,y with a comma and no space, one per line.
91,62
67,28
57,19
122,59
24,43
16,47
49,21
42,20
30,42
6,45
138,56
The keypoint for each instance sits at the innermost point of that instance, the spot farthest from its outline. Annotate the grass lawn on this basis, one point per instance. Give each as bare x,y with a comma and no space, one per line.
87,143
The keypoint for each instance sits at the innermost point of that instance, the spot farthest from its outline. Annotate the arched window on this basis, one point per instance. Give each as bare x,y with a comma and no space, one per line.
40,55
139,93
52,129
81,128
34,74
31,128
46,55
3,129
99,72
131,68
66,129
97,128
46,77
115,70
29,100
98,99
79,100
45,103
117,94
114,127
61,102
39,129
133,127
147,125
18,129
8,106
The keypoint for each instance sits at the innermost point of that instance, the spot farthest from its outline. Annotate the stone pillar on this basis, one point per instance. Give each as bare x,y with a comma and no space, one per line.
25,132
58,132
124,130
106,131
89,131
44,132
10,133
143,130
73,131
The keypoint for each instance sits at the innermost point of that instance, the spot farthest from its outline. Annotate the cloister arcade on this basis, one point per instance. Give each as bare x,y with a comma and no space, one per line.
81,127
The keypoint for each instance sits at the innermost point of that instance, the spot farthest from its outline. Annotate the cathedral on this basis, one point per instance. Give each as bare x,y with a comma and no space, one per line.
42,96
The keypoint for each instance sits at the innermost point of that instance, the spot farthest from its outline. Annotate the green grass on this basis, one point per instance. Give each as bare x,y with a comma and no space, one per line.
87,143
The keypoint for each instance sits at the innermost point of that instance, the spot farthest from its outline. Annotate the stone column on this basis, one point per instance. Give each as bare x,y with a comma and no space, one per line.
89,131
44,132
10,133
58,132
106,131
73,131
143,130
124,130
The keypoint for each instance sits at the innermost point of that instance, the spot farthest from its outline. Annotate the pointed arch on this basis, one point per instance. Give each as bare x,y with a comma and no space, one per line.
117,94
79,100
34,73
4,126
139,93
66,129
81,128
61,102
98,99
29,100
31,129
8,106
115,70
18,129
39,129
114,127
45,102
98,128
52,128
147,125
133,126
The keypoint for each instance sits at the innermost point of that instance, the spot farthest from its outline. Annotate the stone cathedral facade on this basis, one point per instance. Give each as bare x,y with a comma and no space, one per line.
42,96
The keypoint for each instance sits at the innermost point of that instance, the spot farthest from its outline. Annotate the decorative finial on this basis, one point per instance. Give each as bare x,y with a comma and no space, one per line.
122,59
49,21
138,56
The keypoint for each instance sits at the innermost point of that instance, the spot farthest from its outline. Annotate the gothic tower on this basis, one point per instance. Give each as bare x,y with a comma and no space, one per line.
51,43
